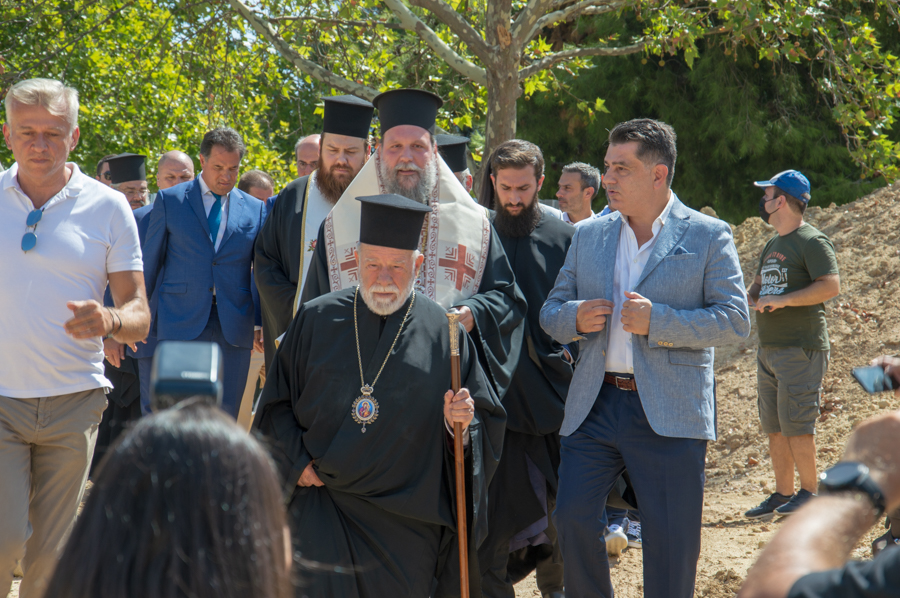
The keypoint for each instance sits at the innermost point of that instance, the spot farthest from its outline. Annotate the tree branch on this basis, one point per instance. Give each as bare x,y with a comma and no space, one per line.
302,64
548,61
350,23
458,25
570,12
411,22
528,16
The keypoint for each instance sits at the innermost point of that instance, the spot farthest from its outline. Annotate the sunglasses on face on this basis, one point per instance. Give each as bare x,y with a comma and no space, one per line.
106,175
30,238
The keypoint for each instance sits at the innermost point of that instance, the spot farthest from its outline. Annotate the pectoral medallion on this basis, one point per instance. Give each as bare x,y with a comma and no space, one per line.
365,408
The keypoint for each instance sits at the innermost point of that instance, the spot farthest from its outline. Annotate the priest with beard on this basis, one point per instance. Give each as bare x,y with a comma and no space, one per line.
522,494
464,263
359,417
286,242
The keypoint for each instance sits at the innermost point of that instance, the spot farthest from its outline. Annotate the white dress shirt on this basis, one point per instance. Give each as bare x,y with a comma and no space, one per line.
630,262
208,200
567,220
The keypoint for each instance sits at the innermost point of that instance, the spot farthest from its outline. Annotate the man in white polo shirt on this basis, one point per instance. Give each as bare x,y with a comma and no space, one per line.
63,237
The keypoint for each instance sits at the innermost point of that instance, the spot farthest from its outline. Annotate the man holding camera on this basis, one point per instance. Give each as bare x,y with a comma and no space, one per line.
797,273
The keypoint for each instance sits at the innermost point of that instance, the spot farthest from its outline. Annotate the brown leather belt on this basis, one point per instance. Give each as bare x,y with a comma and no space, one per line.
620,382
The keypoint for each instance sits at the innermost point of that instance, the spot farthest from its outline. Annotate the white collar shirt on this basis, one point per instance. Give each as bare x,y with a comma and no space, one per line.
565,218
630,263
208,200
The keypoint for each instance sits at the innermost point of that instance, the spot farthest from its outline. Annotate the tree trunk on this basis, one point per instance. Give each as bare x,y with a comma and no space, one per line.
503,87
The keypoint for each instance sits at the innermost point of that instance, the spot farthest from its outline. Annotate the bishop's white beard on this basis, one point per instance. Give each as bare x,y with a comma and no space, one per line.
385,307
421,192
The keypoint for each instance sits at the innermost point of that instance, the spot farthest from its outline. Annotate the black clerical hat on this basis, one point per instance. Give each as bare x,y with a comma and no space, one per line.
347,115
407,107
391,221
127,167
453,150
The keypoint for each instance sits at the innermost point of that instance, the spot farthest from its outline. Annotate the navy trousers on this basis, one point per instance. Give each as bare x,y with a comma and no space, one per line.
668,478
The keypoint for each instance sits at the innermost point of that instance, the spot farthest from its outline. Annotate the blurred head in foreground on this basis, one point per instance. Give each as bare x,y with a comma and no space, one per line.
187,504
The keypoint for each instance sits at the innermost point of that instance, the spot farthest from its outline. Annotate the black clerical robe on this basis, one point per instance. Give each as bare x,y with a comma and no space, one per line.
279,254
535,403
498,308
384,522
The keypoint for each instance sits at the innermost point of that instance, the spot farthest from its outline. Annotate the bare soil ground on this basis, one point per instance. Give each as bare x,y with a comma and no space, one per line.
863,322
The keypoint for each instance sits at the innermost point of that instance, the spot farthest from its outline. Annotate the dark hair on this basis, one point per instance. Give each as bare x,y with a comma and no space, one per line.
515,153
655,139
187,504
794,203
103,161
226,138
255,178
590,176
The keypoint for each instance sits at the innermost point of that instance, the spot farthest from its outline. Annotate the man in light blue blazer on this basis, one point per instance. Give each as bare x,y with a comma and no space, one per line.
199,244
647,292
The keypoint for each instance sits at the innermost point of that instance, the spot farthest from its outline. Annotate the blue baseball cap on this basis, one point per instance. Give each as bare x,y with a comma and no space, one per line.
791,182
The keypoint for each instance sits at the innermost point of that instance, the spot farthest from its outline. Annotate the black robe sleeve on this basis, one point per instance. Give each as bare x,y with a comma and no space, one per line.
499,309
279,252
275,415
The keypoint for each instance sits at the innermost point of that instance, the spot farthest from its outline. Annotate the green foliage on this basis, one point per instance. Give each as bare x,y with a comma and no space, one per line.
154,76
736,123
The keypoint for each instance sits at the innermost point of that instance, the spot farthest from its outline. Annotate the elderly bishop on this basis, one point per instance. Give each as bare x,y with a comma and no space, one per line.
359,413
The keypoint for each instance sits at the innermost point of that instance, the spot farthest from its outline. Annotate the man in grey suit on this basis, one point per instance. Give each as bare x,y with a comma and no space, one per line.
667,281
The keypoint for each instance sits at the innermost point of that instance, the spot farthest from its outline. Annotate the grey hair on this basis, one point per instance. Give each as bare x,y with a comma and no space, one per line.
462,175
416,252
226,138
590,176
58,99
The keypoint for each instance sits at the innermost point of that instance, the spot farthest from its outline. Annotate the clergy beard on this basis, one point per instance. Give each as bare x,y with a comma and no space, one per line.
421,192
385,307
332,183
519,225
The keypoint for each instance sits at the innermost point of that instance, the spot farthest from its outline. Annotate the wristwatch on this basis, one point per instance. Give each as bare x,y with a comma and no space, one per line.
850,476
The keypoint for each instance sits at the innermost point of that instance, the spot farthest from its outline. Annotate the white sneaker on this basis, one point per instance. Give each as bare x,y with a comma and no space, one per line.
634,535
616,540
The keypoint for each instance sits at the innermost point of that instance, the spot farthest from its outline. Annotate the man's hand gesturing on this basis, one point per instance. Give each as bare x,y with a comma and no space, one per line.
591,316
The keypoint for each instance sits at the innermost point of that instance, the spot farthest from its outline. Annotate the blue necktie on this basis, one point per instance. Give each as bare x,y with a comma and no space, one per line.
215,218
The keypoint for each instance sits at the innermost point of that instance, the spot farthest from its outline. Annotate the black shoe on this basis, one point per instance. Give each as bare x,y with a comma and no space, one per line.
799,499
553,595
766,509
883,542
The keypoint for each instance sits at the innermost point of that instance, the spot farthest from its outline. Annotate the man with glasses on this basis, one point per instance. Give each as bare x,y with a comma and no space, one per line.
128,175
103,170
63,238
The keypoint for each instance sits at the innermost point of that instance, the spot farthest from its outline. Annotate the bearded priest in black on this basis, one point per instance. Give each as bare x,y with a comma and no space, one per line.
359,416
464,264
287,240
522,494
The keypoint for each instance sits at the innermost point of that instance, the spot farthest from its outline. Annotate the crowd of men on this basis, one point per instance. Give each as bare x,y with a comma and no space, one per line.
586,360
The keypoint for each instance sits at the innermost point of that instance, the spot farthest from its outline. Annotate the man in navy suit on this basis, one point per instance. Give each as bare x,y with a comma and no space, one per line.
199,244
647,292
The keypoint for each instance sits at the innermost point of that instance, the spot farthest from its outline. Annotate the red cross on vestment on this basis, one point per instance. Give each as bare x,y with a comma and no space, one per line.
458,263
350,265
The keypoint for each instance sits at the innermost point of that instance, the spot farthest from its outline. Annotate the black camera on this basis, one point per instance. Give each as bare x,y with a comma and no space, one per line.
183,370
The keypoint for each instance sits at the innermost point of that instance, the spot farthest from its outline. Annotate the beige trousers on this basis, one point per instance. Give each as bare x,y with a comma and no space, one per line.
46,445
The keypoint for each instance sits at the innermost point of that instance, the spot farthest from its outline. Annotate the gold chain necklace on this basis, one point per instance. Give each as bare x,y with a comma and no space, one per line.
365,407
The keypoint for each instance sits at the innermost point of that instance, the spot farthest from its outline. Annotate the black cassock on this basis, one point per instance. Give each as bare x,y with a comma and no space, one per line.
384,522
279,254
498,308
535,403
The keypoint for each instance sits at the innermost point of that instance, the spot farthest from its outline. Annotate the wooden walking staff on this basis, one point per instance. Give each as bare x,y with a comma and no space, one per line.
459,450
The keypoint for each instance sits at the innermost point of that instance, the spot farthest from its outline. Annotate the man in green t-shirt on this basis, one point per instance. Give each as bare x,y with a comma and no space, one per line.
797,273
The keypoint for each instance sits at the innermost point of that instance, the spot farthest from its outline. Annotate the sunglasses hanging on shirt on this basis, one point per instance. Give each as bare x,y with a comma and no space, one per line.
30,238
